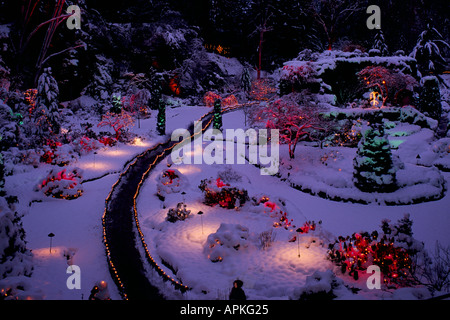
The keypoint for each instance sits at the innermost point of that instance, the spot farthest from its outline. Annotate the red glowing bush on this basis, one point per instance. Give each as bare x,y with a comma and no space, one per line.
210,97
62,185
219,193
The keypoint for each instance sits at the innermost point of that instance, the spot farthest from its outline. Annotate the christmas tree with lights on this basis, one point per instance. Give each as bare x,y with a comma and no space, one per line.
217,117
374,169
161,119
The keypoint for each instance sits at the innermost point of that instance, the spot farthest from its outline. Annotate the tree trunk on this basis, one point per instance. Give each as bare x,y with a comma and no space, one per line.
261,36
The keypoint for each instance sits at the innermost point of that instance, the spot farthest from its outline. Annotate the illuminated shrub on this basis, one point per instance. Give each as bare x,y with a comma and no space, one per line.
62,185
219,193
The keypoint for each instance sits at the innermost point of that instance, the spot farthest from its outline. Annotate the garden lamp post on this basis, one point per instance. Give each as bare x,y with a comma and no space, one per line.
51,235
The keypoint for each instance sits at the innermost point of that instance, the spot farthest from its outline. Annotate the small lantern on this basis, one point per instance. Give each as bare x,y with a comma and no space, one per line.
374,99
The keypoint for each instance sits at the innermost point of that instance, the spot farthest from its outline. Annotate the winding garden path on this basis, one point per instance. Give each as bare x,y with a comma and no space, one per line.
123,239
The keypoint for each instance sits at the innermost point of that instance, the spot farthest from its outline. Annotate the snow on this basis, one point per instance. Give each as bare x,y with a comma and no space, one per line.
77,223
274,271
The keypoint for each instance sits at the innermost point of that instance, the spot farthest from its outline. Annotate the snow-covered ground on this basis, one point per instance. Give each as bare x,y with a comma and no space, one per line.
276,272
273,273
77,223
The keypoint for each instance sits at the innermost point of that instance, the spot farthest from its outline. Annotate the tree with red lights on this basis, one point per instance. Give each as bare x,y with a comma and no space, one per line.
294,122
386,81
118,122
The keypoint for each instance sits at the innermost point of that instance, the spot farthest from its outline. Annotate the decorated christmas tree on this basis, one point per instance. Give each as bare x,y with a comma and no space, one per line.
161,120
217,117
373,165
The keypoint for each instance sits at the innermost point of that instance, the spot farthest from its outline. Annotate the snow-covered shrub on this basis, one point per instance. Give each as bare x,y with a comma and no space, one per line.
46,115
379,47
101,86
266,238
60,184
392,250
180,213
430,97
218,192
229,175
19,288
170,181
321,285
15,258
296,77
84,145
228,239
428,51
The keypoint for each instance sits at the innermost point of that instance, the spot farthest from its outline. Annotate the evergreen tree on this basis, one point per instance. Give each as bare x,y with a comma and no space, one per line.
116,105
428,51
217,117
155,89
15,258
161,120
430,97
379,47
373,165
246,80
47,115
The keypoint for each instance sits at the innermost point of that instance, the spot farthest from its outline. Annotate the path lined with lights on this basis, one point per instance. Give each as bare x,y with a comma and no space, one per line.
120,223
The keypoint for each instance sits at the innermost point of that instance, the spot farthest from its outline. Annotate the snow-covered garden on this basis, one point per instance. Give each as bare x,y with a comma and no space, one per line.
357,140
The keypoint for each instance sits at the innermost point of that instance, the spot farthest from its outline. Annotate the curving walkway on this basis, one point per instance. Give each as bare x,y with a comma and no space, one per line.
123,239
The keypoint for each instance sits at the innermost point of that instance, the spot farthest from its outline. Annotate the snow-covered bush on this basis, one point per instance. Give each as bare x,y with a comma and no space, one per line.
393,251
228,239
430,97
228,175
15,258
84,145
180,213
170,181
101,86
321,285
428,51
46,114
296,77
218,192
60,184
